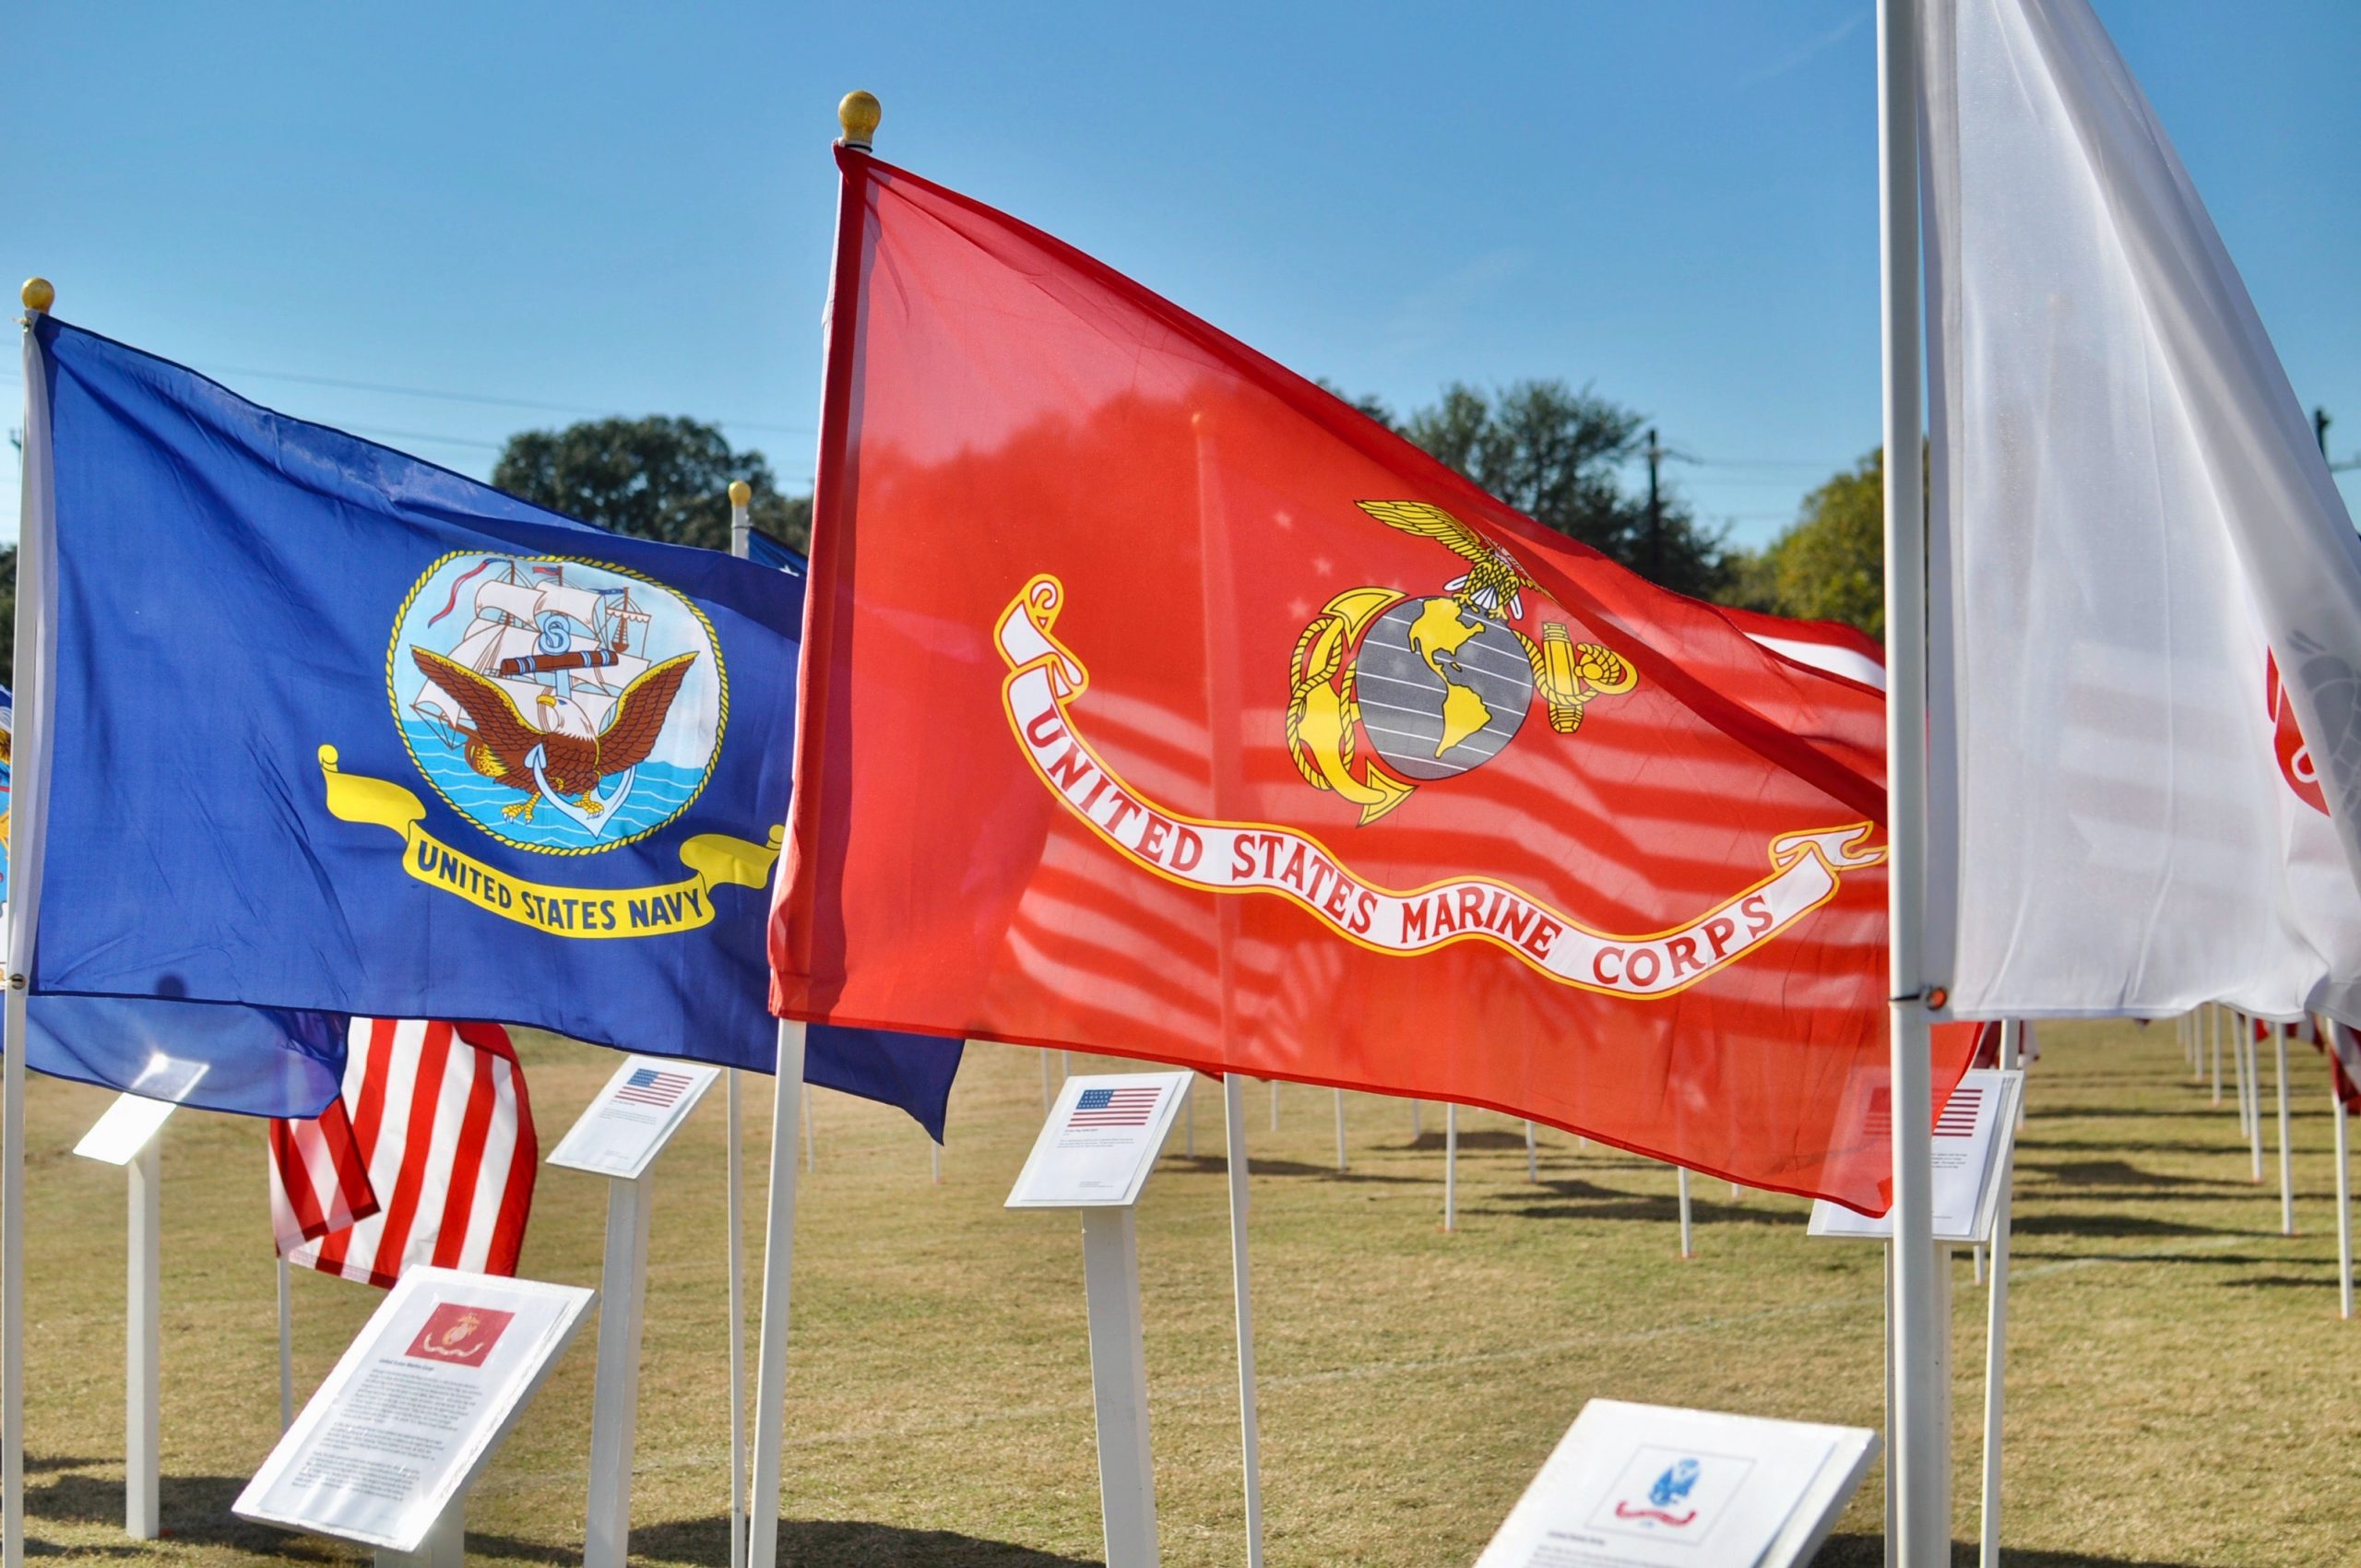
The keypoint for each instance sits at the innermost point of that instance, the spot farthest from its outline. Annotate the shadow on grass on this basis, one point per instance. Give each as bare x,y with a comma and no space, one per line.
2123,1173
853,1542
1257,1165
196,1512
1856,1550
1647,1208
190,1509
2104,1225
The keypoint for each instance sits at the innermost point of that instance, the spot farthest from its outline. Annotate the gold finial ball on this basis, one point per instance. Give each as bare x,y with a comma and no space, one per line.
37,293
741,493
859,115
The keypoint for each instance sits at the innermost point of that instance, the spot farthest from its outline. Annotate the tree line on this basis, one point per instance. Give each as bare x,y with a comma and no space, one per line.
1562,455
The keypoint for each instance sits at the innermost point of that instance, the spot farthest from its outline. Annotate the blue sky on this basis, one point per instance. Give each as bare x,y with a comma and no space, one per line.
540,212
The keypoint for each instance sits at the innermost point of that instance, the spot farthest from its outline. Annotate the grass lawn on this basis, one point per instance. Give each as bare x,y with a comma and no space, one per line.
2178,1390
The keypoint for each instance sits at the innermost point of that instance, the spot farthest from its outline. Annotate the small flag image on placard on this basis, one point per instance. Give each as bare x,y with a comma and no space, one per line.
1877,1122
1114,1108
1958,1119
653,1086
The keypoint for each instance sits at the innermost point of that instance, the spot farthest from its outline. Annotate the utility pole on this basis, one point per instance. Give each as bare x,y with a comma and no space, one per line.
1655,510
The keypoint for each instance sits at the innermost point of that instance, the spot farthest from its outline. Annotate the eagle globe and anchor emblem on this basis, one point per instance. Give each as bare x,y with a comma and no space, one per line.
1437,685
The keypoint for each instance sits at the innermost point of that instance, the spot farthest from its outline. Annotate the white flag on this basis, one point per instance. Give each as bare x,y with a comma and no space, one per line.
2129,519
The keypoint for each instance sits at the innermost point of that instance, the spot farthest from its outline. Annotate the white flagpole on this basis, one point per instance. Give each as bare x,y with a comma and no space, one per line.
1048,1094
1451,1166
742,527
1920,1461
779,1263
28,808
857,113
1996,1356
2214,1027
1233,1100
2286,1166
286,1349
1341,1164
1687,1244
1533,1155
2343,1208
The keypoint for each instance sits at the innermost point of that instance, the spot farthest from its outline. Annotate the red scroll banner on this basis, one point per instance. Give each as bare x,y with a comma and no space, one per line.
1044,679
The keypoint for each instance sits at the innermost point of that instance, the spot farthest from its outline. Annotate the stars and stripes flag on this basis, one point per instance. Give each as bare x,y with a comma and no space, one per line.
1114,1108
427,1156
1957,1119
653,1086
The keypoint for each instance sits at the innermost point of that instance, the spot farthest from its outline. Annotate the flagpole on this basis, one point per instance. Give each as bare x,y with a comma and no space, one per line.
741,496
778,1262
30,785
1341,1166
2344,1198
2287,1168
286,1348
1248,1421
1688,1246
1451,1166
1919,1463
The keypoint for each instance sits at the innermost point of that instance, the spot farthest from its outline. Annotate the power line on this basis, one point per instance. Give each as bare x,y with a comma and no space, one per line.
485,398
443,395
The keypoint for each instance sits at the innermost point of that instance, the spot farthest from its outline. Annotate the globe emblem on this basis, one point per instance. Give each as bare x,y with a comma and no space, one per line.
1442,687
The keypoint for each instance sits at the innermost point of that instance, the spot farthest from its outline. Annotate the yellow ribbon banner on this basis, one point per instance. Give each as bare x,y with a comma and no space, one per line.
715,860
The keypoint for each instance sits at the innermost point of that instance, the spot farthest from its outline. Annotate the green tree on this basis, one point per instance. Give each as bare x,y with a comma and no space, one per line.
1558,455
656,478
1829,564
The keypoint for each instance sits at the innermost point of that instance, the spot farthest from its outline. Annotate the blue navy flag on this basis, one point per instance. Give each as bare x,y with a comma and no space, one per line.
337,730
259,1061
764,550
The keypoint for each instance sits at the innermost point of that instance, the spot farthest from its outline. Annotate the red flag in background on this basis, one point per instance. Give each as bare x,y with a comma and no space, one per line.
1197,718
428,1156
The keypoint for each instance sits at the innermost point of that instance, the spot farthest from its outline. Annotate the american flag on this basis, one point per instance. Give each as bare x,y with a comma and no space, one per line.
1958,1119
1878,1121
652,1086
427,1156
1115,1107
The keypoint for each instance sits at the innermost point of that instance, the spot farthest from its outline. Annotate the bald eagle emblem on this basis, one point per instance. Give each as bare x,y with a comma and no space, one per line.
558,704
1389,691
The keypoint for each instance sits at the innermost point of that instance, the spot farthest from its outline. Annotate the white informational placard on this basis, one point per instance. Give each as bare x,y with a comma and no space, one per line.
1973,1139
635,1116
1648,1486
1100,1141
415,1407
123,1129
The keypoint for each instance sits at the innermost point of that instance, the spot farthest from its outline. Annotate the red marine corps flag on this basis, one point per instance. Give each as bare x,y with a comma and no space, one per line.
1156,703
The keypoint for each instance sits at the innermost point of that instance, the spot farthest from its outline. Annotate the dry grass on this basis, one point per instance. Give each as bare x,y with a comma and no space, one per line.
2178,1390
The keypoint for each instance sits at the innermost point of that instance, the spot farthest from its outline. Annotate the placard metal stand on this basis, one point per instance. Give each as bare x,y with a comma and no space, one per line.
619,1136
1974,1147
384,1452
1094,1154
125,1136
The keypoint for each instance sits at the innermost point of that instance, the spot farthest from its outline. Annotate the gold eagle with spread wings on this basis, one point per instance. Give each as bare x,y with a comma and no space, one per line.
501,743
1492,580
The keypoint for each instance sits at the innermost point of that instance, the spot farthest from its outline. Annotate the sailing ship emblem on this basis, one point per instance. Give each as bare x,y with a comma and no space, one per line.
558,705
